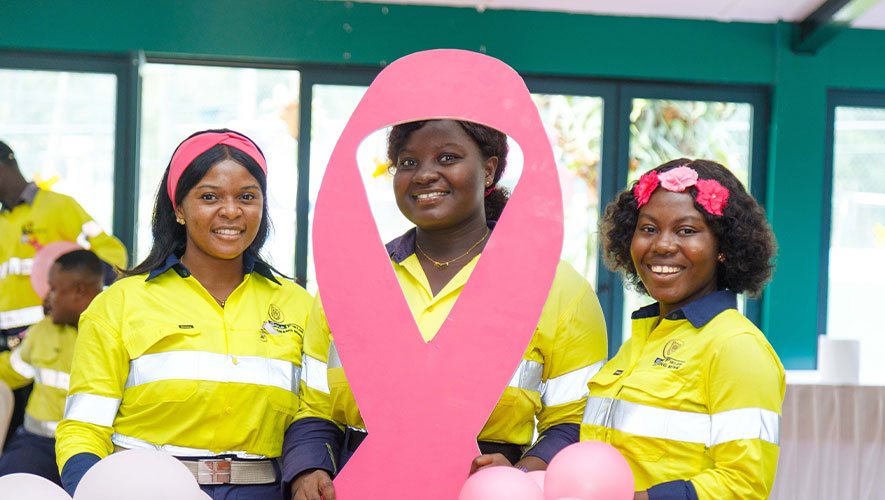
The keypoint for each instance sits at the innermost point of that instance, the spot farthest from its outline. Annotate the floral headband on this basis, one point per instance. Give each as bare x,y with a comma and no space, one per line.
711,195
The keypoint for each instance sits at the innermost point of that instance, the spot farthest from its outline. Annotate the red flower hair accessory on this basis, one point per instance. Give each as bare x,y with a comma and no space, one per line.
645,187
712,196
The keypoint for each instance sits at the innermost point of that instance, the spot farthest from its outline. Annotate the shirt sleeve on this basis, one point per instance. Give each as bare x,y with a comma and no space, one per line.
98,374
578,351
89,235
314,439
746,385
15,366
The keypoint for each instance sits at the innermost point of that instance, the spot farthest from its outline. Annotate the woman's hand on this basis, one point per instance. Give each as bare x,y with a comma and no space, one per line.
640,495
313,485
483,461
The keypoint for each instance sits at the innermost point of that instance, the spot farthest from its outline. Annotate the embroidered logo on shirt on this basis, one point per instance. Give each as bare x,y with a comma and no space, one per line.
275,314
668,361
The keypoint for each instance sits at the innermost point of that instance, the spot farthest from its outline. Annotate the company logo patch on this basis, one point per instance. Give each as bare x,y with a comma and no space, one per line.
275,314
668,361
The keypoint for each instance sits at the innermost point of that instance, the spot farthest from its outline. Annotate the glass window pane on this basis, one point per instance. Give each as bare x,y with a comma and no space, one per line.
61,127
662,130
856,276
179,100
574,126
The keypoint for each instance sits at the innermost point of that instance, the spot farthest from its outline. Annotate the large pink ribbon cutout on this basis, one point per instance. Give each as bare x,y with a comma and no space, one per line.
425,403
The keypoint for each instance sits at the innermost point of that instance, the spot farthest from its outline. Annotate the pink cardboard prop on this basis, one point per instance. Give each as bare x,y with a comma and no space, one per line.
425,403
43,260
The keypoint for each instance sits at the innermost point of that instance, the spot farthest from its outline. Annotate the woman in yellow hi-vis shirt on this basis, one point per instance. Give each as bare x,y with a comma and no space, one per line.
445,177
197,351
693,399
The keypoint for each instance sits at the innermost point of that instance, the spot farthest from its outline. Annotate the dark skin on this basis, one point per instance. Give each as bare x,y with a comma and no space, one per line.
439,184
12,183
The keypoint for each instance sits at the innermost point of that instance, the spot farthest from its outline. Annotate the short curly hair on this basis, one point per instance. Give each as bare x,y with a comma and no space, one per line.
742,232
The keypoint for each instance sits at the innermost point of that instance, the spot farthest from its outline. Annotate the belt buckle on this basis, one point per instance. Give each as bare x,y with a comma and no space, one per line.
213,471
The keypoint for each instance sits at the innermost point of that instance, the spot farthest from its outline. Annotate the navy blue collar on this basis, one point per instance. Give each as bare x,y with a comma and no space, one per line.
698,313
27,196
400,248
250,264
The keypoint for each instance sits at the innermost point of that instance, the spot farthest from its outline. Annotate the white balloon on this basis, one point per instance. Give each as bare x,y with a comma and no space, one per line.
30,487
138,475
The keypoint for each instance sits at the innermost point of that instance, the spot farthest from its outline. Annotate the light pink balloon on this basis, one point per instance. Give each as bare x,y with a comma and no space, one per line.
138,475
30,487
43,260
589,470
500,483
538,476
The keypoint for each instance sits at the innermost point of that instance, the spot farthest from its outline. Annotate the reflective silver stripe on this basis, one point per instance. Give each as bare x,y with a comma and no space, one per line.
53,378
130,442
20,317
20,366
746,423
313,374
527,376
334,358
569,387
90,229
92,409
215,367
45,428
685,426
16,265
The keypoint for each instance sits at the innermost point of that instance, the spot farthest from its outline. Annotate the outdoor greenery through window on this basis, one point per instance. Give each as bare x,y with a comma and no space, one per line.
662,130
61,126
179,100
856,278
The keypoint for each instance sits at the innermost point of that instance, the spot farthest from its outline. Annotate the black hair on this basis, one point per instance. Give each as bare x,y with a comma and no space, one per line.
169,237
83,261
490,142
742,232
7,157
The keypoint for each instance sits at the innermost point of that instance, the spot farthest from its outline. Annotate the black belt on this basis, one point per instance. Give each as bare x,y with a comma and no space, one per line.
513,452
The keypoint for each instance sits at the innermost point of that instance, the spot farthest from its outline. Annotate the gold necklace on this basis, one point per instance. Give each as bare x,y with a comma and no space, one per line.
220,302
443,265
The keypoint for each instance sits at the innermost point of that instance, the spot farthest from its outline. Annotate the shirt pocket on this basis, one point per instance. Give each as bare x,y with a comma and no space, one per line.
157,370
648,427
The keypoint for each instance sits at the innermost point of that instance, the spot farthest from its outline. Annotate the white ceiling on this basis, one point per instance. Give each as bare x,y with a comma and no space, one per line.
764,11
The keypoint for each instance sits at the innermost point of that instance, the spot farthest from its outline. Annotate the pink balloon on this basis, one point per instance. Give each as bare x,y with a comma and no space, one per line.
589,470
139,475
43,260
500,483
538,476
30,487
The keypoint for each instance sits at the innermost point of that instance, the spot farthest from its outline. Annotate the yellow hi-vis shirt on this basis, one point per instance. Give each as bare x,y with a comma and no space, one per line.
694,396
40,218
550,383
160,365
43,357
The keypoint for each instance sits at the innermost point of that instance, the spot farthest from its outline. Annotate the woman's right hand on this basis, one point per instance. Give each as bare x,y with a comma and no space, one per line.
313,485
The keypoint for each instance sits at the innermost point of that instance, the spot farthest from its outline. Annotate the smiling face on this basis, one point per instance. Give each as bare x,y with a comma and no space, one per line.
674,250
222,212
441,176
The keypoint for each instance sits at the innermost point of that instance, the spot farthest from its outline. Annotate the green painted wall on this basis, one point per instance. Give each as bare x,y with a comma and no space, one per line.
312,31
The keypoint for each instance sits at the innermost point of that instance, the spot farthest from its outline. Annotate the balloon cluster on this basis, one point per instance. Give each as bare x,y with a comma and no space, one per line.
589,470
131,474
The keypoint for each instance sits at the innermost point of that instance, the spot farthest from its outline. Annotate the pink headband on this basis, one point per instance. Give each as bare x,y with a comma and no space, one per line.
199,144
711,195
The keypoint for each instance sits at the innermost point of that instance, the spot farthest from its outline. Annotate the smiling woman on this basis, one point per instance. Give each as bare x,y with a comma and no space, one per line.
196,351
693,399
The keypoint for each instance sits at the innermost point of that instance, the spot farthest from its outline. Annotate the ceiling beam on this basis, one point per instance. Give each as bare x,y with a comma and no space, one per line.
826,22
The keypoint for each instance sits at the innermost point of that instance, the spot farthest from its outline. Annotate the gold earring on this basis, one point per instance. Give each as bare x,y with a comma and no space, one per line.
721,258
488,183
179,220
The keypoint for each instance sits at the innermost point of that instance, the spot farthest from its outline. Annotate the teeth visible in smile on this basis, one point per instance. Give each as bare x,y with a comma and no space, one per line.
232,232
429,196
665,269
